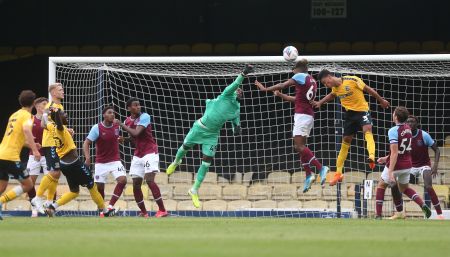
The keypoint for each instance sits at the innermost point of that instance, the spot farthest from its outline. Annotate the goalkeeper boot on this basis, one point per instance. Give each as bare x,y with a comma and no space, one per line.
308,181
398,216
195,200
371,162
323,174
338,177
161,214
172,167
426,211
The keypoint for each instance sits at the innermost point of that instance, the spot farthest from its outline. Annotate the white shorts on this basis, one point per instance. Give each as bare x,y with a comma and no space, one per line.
34,167
402,176
303,123
419,170
102,170
147,164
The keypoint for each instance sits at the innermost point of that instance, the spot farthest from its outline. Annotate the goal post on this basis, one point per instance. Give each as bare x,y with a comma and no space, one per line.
259,171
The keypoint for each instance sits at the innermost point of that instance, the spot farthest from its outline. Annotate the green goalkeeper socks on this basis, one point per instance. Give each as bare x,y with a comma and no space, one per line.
180,154
200,176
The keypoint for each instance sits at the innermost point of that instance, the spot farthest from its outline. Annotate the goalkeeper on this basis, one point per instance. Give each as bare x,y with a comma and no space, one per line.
206,130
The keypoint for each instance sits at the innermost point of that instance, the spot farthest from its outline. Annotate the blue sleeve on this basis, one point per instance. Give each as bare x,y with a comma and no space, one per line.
94,133
393,135
300,78
427,139
144,120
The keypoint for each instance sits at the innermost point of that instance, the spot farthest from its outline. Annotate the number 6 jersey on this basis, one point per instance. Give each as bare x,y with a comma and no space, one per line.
305,91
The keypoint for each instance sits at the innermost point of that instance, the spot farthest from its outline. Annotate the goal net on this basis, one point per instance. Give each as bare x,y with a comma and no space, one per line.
257,173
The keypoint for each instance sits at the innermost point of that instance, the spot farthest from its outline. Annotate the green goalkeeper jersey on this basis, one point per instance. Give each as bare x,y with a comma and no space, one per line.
224,108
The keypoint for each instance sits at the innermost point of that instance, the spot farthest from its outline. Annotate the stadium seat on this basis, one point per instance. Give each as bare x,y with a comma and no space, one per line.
412,209
374,176
362,47
210,192
132,205
259,192
279,177
292,204
433,47
284,192
112,50
6,50
90,50
161,178
238,205
409,47
271,48
87,205
134,50
314,193
109,190
180,192
445,151
24,51
181,178
298,178
180,49
345,204
315,48
315,204
442,192
418,188
123,205
222,181
128,194
446,178
169,204
68,50
386,47
265,204
354,177
247,178
234,192
330,192
187,206
446,142
247,49
46,50
7,57
166,191
18,205
339,47
202,49
157,50
350,187
237,178
215,205
225,49
70,206
210,178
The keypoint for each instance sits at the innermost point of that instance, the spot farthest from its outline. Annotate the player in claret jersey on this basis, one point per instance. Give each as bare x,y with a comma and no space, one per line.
34,167
305,91
398,163
206,130
145,162
421,166
107,158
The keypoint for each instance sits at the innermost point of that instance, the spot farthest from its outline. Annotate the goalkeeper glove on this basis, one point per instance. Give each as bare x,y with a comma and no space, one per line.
237,130
248,69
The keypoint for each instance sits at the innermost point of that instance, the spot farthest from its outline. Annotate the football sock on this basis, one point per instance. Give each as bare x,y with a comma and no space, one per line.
32,193
65,198
414,196
139,198
101,191
370,144
11,194
180,154
117,193
156,195
379,200
397,198
51,189
342,157
200,176
434,200
96,197
308,157
45,182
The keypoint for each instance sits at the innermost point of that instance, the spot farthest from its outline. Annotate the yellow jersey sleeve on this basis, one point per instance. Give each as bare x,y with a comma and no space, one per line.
14,138
55,105
360,83
49,137
67,143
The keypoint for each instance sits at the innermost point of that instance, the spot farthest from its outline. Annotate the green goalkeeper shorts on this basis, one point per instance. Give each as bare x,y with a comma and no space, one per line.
200,135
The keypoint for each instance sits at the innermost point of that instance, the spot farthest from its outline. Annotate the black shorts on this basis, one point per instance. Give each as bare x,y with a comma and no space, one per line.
354,121
15,170
77,174
51,158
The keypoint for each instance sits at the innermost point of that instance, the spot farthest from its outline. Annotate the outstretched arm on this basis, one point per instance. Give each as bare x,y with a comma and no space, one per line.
326,99
87,155
437,156
230,89
384,103
285,97
279,86
236,124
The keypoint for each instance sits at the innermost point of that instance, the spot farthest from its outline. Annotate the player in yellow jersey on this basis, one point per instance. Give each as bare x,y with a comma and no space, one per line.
17,135
350,90
50,143
76,172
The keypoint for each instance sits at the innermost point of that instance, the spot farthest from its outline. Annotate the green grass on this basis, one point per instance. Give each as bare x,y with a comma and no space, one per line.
253,237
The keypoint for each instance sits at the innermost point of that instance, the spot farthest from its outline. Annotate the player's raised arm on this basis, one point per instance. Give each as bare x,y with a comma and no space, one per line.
236,123
383,102
326,99
230,89
277,87
285,97
143,123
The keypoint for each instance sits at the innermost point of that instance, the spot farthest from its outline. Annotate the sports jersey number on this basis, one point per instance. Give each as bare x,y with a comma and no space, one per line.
310,93
405,145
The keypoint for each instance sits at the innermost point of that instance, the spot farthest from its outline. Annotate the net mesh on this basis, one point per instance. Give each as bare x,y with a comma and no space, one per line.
259,170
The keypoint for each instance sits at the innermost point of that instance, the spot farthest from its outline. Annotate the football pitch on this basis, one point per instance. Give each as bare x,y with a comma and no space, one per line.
254,237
